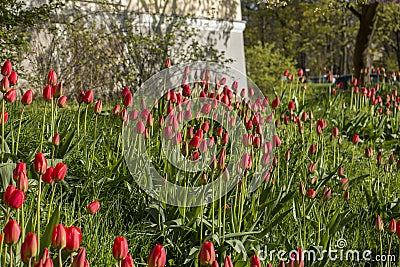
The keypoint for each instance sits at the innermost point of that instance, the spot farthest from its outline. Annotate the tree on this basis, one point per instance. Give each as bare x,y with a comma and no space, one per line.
367,17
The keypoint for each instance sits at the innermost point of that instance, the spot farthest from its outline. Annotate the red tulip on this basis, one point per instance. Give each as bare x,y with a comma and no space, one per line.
45,260
369,152
128,261
7,68
311,193
246,161
48,92
29,247
276,140
255,261
12,231
10,96
168,62
392,226
222,158
326,194
98,107
116,110
52,78
59,171
80,259
4,118
74,239
58,90
291,106
313,149
13,197
275,103
286,73
312,167
397,229
47,177
194,142
228,262
93,207
22,181
21,167
344,183
27,98
186,90
215,264
40,163
207,253
128,101
59,237
120,248
300,72
13,78
140,128
62,101
89,97
206,109
81,97
356,139
125,91
157,257
56,139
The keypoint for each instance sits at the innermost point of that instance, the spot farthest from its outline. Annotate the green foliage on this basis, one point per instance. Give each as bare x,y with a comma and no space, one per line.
16,20
265,66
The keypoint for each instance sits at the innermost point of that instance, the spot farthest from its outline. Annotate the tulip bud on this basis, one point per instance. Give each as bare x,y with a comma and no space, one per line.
59,172
52,78
275,103
255,261
27,97
47,177
313,149
128,262
116,110
40,163
228,262
157,257
98,107
13,78
379,223
88,97
29,247
276,140
326,194
369,152
379,158
74,238
58,90
10,96
311,193
207,253
344,183
392,226
215,264
346,195
120,248
340,171
356,139
48,92
12,231
391,159
56,139
287,155
21,167
81,97
7,68
62,101
128,101
246,161
59,237
302,189
14,198
80,259
93,207
168,62
140,128
312,167
22,182
125,91
4,118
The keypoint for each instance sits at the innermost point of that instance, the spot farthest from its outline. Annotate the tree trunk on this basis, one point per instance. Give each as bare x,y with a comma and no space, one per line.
364,36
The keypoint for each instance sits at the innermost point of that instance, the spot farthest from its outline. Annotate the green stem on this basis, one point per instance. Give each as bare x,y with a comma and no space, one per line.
11,256
39,197
43,124
51,201
2,130
19,129
59,258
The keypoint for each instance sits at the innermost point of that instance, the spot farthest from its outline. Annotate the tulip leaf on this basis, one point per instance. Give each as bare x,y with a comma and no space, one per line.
46,237
6,173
